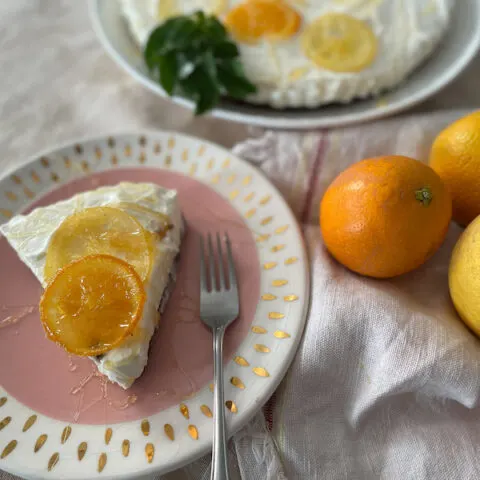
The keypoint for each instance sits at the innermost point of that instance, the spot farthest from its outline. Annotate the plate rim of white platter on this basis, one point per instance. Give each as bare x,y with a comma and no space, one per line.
23,440
461,45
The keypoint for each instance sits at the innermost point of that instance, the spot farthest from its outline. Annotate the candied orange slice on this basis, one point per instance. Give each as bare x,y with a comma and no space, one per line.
100,230
253,19
340,43
92,304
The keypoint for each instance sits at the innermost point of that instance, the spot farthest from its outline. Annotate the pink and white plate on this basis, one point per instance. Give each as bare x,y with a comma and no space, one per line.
58,417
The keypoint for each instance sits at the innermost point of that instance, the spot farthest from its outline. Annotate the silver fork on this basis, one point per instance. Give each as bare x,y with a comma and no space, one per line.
219,307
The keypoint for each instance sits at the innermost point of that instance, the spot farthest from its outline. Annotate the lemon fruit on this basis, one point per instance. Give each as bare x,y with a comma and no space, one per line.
464,276
340,43
455,156
100,230
92,304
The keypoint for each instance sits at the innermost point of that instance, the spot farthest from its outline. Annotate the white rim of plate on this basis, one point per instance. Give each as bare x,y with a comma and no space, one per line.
259,118
35,446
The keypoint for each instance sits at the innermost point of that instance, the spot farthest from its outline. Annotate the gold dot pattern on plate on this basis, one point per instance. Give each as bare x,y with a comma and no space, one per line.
230,404
67,162
231,179
281,334
277,248
142,141
279,282
82,450
17,179
215,178
35,176
54,177
6,213
98,153
45,162
210,387
233,195
291,260
261,348
236,382
268,297
85,166
251,213
78,149
275,315
28,193
5,422
126,448
280,230
29,423
260,371
257,329
193,432
142,158
3,401
108,435
168,160
157,148
66,434
111,142
184,411
102,461
249,197
171,142
263,238
264,200
185,155
226,163
201,150
149,452
206,411
114,159
210,164
266,221
290,298
40,442
247,180
53,461
269,265
145,427
9,448
169,432
193,169
11,196
241,361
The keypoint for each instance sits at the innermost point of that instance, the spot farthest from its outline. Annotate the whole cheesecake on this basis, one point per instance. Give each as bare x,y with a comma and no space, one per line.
307,53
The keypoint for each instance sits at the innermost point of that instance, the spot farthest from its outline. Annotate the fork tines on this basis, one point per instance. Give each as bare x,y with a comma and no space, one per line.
216,272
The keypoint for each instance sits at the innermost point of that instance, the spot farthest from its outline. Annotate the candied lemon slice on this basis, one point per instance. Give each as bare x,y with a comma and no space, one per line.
92,304
254,19
340,43
100,230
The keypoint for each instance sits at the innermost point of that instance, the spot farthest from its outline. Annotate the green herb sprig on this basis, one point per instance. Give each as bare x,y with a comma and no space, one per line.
194,56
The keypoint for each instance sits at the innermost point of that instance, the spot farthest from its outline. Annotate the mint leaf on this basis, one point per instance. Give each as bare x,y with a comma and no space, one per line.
193,55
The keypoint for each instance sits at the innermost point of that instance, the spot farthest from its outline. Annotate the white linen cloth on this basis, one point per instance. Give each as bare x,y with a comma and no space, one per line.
386,382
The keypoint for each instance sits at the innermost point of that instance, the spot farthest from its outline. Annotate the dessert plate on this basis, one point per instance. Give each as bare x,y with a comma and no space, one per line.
448,60
58,417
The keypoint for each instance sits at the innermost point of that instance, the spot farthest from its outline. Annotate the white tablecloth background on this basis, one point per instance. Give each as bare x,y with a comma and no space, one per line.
386,383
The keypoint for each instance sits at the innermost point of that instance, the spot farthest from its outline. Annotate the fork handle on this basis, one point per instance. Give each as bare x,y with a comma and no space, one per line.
219,460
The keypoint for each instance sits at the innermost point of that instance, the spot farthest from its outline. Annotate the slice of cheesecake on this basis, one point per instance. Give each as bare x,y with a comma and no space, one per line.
100,222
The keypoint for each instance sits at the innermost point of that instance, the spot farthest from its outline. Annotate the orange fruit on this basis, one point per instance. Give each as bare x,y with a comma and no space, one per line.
253,19
385,216
455,156
92,304
100,230
340,43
